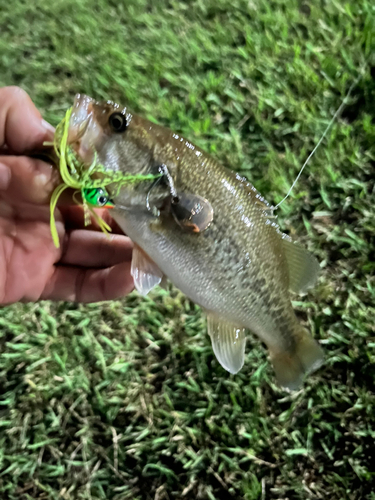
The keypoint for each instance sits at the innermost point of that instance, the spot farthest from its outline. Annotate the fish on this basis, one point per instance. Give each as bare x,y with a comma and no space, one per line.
208,231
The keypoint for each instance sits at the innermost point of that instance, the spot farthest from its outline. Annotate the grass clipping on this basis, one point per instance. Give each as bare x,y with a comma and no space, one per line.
80,177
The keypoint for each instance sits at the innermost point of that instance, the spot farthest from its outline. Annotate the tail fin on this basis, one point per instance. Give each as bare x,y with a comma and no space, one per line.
291,367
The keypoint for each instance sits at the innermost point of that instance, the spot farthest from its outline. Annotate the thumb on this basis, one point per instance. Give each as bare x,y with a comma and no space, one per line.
22,128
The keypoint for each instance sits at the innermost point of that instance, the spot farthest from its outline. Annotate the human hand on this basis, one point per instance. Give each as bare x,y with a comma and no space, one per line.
89,266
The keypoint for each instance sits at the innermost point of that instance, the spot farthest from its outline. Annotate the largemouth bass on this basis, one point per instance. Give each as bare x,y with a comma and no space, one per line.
228,256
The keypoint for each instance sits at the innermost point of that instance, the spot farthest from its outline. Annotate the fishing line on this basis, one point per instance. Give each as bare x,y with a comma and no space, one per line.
338,111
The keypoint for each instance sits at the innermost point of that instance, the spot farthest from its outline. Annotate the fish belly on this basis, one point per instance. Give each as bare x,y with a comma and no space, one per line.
207,272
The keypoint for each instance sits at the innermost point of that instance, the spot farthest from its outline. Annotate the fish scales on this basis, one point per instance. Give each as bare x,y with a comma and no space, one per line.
254,275
239,269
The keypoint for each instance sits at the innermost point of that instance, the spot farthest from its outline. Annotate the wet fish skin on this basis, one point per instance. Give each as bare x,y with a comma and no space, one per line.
239,270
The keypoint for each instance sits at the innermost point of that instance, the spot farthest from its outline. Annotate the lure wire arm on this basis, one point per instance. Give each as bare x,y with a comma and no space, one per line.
163,169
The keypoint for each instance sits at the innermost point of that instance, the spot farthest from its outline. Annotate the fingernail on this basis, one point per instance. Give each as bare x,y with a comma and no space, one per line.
48,126
5,176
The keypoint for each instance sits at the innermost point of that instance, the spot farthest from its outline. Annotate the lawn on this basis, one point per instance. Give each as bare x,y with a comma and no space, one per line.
125,400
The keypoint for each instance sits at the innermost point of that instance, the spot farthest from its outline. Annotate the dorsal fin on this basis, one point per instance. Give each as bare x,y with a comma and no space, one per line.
303,267
252,191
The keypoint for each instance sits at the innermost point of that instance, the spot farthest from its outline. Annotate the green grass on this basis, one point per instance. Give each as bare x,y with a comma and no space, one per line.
125,400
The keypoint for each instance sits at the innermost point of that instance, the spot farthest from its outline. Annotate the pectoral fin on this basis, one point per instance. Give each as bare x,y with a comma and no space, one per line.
164,283
145,272
302,266
228,343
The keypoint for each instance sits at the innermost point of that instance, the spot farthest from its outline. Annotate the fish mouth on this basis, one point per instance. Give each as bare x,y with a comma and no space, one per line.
84,132
81,115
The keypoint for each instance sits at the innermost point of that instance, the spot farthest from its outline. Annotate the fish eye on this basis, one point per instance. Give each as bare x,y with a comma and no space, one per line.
117,122
102,200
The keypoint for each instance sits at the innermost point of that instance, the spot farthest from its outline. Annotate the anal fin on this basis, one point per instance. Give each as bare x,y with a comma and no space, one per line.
146,274
228,343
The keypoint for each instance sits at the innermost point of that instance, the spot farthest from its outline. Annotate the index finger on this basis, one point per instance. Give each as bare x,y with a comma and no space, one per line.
22,128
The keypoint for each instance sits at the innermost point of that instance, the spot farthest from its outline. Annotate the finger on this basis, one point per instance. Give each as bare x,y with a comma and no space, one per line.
74,218
75,284
5,176
21,125
95,249
25,179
